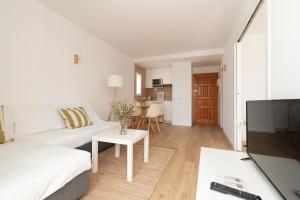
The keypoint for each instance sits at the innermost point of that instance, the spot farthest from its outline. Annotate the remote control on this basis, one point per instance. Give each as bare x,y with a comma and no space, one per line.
232,191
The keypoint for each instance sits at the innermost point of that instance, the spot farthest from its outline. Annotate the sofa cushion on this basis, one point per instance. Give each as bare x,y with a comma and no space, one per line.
75,117
92,114
2,137
71,137
29,119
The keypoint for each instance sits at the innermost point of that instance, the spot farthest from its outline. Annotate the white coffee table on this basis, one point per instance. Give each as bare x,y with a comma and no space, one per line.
113,136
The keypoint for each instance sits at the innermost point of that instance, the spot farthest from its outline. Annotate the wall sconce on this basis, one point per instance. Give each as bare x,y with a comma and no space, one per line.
76,58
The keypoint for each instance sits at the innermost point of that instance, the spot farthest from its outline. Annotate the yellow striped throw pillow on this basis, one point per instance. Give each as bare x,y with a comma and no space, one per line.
2,136
75,117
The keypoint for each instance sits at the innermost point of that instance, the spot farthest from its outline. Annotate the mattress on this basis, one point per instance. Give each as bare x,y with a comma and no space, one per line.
72,138
33,171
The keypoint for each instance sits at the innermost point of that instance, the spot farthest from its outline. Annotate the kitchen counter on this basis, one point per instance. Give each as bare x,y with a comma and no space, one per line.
154,101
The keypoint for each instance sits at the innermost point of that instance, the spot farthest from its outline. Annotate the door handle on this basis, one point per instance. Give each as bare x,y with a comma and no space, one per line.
242,124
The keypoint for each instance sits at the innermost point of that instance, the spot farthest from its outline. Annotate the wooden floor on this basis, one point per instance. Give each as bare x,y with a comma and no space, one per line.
179,179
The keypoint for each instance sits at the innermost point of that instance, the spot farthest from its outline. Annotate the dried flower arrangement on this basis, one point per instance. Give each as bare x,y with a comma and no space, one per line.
122,111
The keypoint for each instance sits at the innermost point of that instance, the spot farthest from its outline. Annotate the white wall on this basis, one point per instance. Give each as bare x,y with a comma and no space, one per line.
36,63
209,69
254,62
254,67
284,48
182,94
228,60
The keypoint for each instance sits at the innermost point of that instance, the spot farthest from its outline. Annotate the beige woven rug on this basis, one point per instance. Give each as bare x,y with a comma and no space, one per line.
110,182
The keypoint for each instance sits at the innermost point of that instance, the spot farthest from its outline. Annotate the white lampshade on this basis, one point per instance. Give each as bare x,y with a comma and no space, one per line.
114,81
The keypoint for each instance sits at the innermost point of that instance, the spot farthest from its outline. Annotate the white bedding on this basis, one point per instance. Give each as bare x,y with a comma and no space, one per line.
33,171
70,137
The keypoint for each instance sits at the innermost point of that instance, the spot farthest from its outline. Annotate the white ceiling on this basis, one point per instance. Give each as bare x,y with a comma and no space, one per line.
199,61
142,28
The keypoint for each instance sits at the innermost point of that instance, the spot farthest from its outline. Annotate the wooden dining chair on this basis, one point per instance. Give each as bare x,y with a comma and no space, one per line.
152,117
136,116
162,112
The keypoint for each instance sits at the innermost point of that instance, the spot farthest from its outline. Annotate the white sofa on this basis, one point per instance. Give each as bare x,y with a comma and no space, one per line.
34,171
41,142
43,124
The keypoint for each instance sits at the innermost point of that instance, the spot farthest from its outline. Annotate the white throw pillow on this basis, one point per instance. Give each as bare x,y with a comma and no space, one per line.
92,114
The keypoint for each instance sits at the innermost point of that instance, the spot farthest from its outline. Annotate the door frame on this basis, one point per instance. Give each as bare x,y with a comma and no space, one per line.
238,119
217,98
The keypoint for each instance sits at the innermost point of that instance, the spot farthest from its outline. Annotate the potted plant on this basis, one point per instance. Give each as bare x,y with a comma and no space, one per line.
122,110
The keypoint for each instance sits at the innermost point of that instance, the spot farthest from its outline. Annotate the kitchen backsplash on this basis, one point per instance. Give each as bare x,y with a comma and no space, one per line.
152,92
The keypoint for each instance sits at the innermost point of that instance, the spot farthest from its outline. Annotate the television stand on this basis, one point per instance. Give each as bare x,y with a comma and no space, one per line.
217,162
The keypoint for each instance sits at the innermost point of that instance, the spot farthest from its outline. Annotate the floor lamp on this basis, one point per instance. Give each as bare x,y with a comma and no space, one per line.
114,81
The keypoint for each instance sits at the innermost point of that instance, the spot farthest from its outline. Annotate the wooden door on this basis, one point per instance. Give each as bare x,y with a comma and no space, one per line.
205,98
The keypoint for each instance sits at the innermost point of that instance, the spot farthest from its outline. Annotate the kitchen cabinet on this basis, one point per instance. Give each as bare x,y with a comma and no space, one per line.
158,73
168,111
166,75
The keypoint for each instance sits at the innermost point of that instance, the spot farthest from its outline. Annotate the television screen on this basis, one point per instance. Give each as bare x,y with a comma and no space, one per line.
273,142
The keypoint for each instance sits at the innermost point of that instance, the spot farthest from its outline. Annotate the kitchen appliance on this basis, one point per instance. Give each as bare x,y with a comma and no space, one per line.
160,96
273,142
157,82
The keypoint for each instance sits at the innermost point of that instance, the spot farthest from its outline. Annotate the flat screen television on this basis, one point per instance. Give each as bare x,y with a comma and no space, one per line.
273,142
